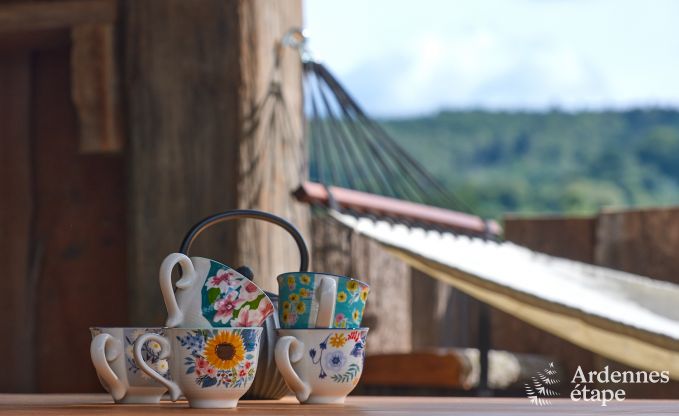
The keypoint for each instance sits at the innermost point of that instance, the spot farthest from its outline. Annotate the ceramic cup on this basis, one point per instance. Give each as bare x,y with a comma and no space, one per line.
119,372
321,365
211,294
320,300
212,368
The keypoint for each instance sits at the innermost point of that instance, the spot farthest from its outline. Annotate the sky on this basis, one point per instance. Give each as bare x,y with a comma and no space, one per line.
406,58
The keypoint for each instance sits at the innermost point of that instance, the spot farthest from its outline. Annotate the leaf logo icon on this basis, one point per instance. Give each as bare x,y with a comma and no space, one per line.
540,389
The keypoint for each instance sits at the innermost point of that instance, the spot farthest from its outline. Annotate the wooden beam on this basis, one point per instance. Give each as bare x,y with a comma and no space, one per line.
94,88
94,70
41,15
311,192
35,40
16,212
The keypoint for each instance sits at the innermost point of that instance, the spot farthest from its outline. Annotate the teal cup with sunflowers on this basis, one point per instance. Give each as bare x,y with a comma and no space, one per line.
320,300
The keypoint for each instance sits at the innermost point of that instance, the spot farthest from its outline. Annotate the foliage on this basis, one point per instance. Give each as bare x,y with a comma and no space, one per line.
556,161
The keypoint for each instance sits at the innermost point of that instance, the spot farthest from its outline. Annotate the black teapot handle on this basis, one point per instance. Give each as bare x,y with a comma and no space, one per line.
248,214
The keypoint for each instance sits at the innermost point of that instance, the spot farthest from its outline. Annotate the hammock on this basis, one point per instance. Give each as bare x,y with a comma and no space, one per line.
628,318
624,317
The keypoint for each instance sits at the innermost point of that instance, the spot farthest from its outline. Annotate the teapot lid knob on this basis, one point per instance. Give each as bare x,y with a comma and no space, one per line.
246,272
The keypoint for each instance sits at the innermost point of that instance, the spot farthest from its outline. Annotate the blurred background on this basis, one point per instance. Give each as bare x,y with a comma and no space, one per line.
123,123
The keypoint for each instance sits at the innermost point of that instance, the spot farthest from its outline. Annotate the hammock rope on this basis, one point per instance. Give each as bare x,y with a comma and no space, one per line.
348,149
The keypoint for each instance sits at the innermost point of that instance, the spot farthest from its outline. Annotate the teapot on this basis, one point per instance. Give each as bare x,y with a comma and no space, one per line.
212,294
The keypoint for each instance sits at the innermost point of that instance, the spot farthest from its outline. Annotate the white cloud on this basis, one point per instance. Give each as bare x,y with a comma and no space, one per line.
401,60
477,68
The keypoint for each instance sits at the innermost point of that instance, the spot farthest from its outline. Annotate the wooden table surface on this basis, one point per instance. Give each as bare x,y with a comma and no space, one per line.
92,404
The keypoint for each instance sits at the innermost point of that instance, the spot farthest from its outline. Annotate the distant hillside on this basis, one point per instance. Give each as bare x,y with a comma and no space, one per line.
552,162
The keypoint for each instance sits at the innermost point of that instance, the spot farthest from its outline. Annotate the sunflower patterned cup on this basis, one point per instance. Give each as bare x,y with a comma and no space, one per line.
212,368
119,372
321,365
320,300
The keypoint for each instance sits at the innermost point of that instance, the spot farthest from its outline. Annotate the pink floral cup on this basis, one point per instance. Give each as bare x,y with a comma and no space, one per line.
210,294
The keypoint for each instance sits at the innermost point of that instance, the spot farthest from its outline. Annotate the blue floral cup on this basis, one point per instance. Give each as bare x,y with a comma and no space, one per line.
321,365
212,368
320,300
119,372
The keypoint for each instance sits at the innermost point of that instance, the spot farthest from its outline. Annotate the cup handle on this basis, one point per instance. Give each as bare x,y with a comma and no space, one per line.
290,350
326,302
175,315
104,349
172,387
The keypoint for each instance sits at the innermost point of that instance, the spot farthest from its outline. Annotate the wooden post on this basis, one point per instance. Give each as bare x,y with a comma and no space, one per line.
195,73
94,88
271,153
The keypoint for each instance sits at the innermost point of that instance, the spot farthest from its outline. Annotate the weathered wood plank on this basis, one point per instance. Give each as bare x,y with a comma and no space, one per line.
414,370
16,210
637,241
271,151
82,404
193,77
95,89
643,242
568,237
426,296
79,236
512,334
640,241
40,15
183,134
34,40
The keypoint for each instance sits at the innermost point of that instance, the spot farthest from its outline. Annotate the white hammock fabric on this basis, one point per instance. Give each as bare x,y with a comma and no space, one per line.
628,318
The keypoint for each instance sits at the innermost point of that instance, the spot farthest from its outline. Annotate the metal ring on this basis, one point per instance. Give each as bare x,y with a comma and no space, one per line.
297,38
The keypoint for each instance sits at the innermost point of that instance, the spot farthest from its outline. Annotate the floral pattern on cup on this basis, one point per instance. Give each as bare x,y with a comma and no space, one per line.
296,306
150,351
330,357
231,300
351,298
221,358
299,302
